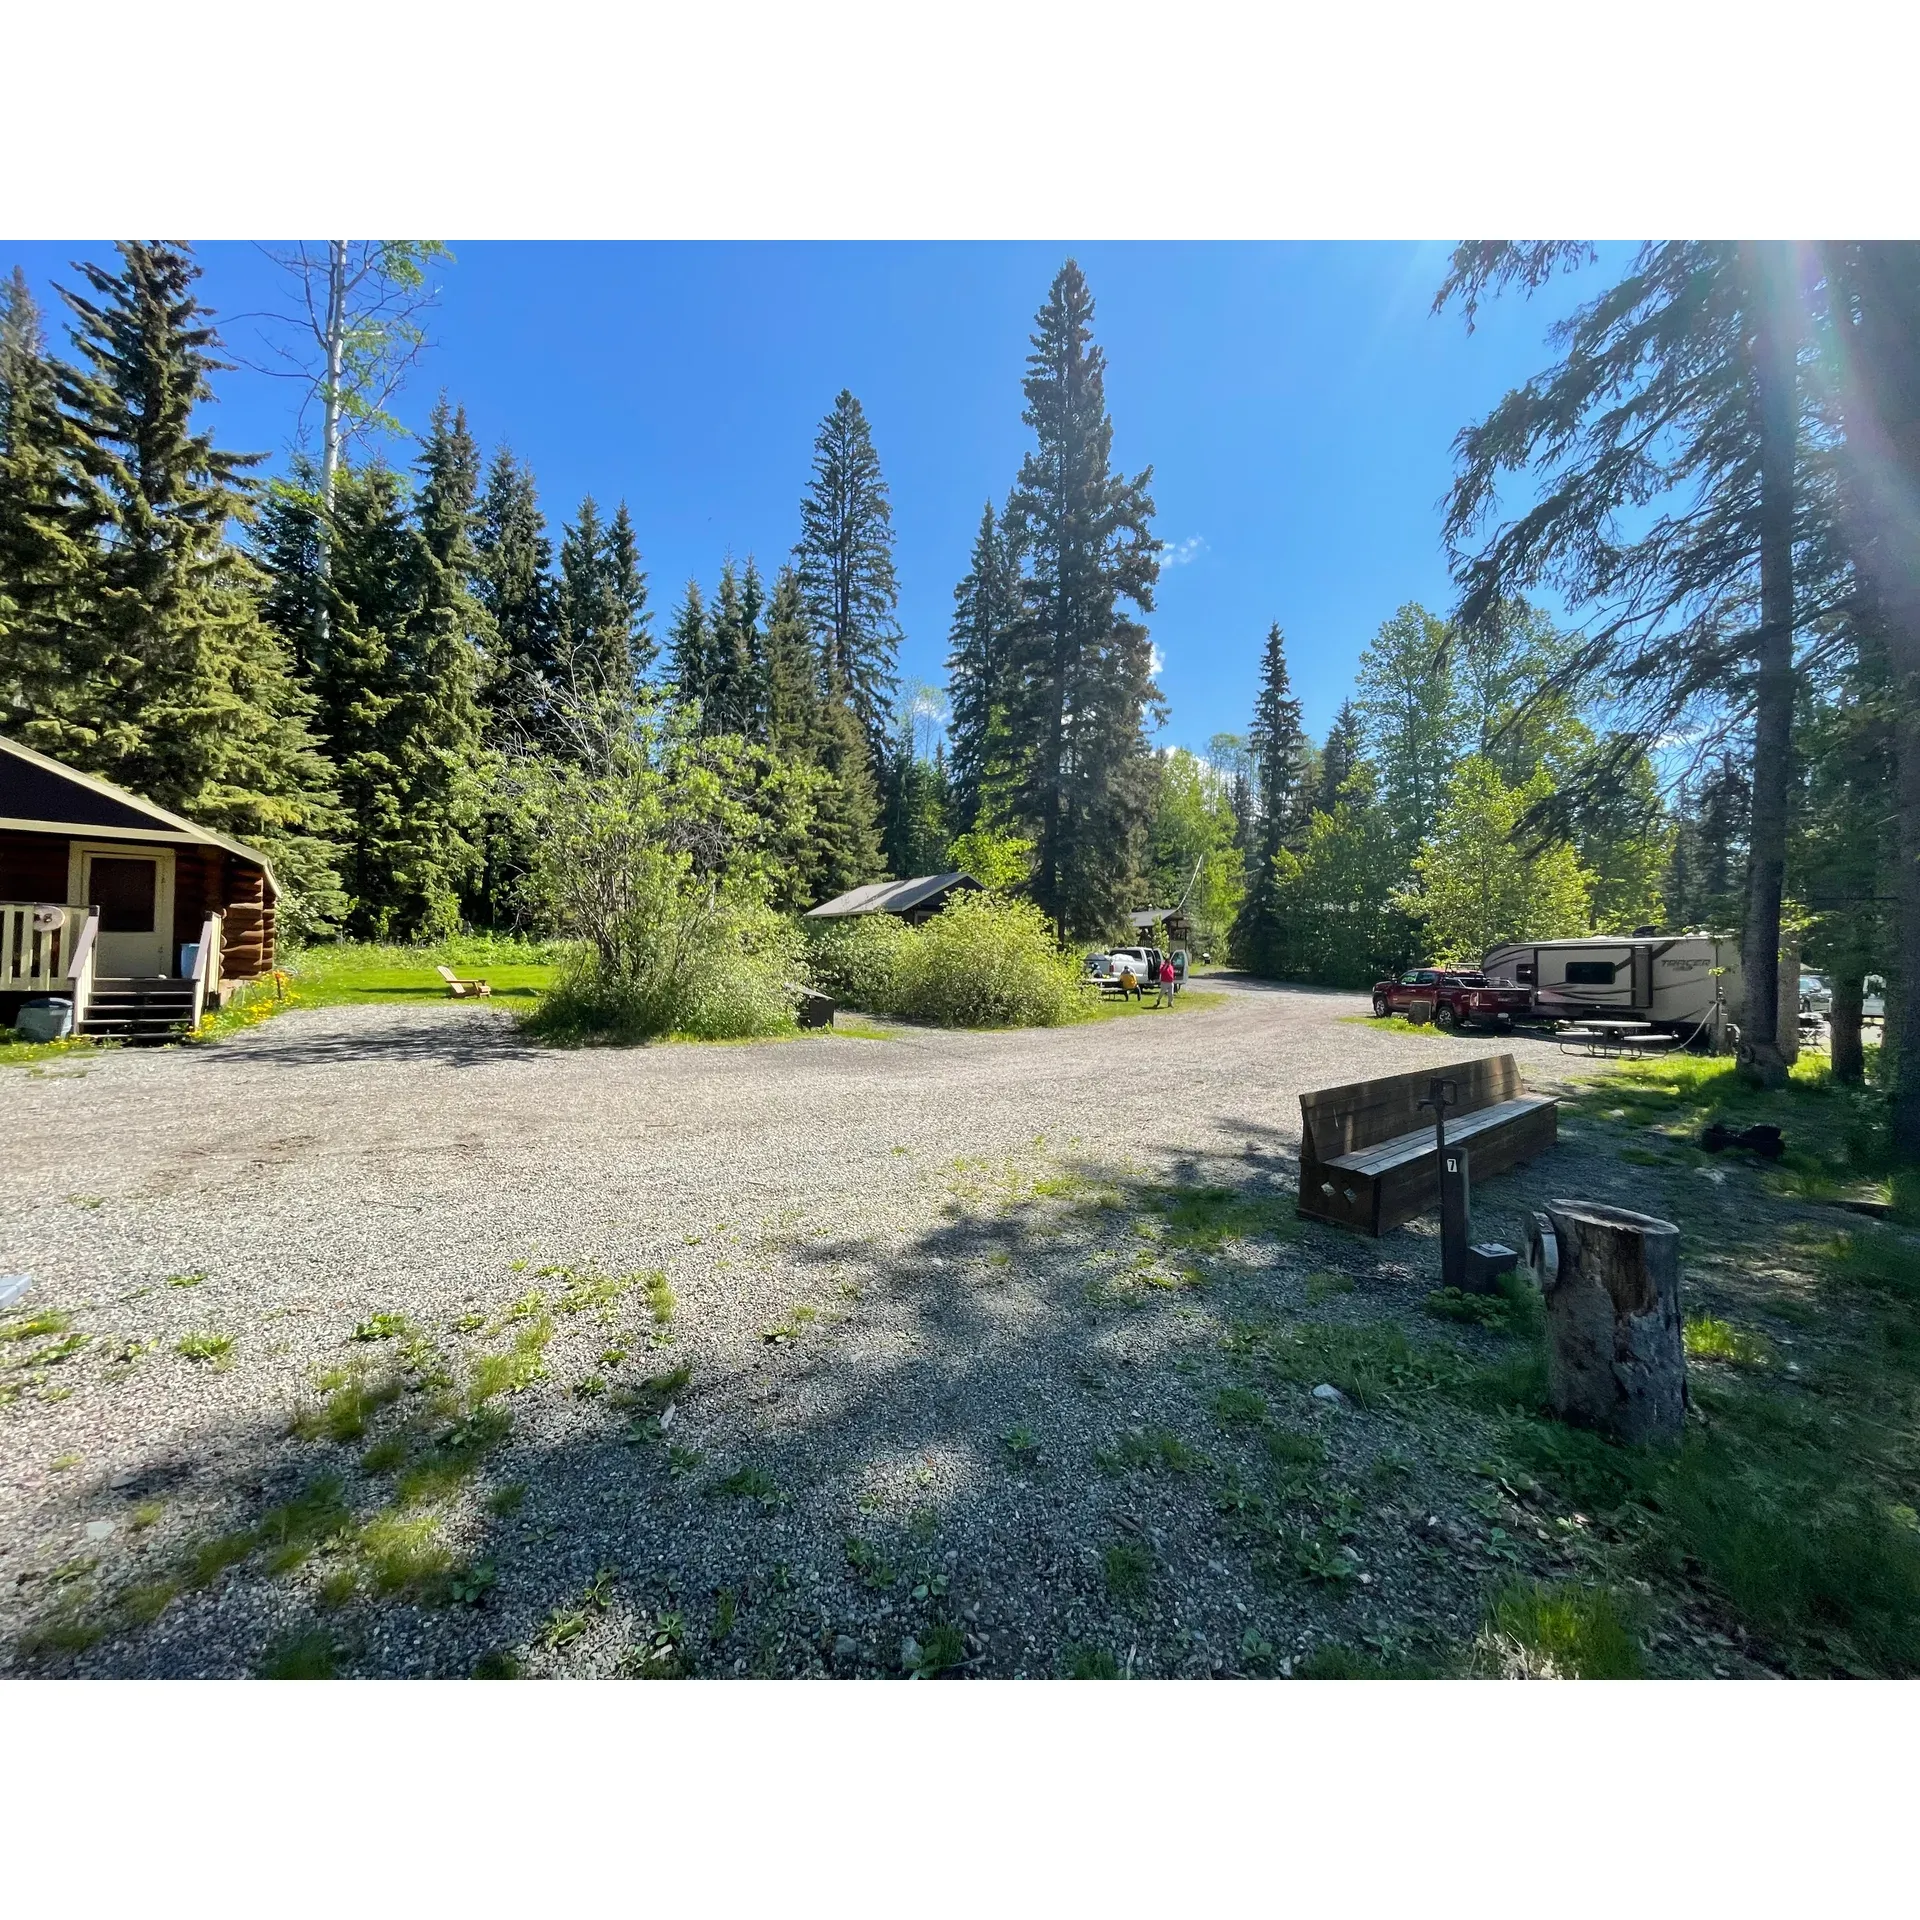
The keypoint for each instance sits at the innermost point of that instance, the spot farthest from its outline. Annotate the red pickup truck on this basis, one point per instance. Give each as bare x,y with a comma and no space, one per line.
1456,997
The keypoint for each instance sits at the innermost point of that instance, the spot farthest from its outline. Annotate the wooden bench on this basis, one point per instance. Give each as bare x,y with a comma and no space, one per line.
1366,1150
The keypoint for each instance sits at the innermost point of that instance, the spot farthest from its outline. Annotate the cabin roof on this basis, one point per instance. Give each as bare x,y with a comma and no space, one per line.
892,896
42,795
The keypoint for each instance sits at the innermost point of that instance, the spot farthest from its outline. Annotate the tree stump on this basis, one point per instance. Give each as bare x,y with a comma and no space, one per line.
1611,1279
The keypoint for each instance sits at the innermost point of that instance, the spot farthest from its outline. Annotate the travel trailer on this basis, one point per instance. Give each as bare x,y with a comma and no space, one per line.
1676,981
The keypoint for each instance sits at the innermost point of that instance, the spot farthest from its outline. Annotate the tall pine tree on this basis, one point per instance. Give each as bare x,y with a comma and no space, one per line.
183,693
690,655
845,562
42,555
1082,671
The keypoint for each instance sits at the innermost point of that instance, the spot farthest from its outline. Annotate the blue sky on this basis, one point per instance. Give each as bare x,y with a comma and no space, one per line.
1297,403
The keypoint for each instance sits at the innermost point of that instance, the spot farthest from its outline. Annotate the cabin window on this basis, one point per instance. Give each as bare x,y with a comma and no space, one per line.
1591,973
123,890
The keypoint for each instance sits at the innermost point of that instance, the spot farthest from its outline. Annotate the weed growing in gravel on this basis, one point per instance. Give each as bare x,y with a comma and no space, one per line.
1020,1444
185,1279
725,1611
588,1288
204,1346
148,1513
54,1355
65,1630
385,1455
291,1530
1331,1661
566,1624
1089,1663
591,1388
142,1605
1710,1339
747,1483
455,1457
1204,1219
350,1402
381,1326
1240,1407
660,1299
467,1323
1322,1286
470,1585
312,1655
499,1664
404,1552
660,1652
1561,1632
942,1647
36,1326
1153,1449
211,1558
515,1369
870,1564
1129,1570
508,1500
339,1584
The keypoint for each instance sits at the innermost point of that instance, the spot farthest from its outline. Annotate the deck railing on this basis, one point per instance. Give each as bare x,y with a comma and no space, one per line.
80,967
206,967
36,945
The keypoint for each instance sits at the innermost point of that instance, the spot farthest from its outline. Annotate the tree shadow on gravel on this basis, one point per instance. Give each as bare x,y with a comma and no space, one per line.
463,1040
1015,1442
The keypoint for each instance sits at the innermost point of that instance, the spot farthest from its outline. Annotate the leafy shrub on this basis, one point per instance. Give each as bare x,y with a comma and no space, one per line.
985,962
710,967
858,961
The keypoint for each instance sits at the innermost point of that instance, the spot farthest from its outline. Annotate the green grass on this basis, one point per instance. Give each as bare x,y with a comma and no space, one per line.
1128,1567
1088,1663
517,1367
1240,1407
36,1326
1711,1339
312,1655
1090,1007
404,1553
1566,1632
382,1326
746,1483
1332,1661
1204,1219
185,1279
204,1346
942,1646
365,974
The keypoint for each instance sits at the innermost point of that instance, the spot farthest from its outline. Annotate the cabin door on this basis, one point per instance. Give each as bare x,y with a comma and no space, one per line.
133,888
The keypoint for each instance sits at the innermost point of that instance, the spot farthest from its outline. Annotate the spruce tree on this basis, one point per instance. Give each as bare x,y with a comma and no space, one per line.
627,588
42,555
915,831
793,720
1278,745
690,641
448,642
1082,670
183,693
845,561
735,690
1338,757
846,837
986,604
514,584
593,625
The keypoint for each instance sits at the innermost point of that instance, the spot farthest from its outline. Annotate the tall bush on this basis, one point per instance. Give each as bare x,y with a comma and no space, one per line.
858,961
985,962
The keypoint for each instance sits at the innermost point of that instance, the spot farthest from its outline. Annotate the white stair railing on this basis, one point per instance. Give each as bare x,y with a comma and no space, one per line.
36,938
80,968
206,968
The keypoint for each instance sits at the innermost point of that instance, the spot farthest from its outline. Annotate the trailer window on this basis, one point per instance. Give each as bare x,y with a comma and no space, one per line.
1591,973
1523,974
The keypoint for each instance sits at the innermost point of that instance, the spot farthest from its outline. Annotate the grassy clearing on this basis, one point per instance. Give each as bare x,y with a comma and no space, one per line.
1091,1007
351,973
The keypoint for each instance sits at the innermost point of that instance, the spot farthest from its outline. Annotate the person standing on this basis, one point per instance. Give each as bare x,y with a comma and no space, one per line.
1166,981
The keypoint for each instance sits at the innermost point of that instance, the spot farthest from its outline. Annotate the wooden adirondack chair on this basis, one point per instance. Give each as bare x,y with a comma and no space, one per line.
463,989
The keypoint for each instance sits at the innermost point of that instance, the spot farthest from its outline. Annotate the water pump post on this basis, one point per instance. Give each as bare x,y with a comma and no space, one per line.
1456,1214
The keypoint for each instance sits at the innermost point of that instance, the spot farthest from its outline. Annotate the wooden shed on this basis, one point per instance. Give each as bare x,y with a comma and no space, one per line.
135,914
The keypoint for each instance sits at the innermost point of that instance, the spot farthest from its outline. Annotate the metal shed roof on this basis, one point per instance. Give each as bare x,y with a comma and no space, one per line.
892,896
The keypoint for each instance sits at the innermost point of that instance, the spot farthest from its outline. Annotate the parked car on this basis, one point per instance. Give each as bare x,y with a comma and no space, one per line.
1458,997
1816,994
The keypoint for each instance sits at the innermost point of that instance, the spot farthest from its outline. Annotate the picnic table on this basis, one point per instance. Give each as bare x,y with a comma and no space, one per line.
1615,1039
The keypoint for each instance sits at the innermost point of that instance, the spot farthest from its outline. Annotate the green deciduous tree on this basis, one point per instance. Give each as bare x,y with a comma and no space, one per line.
1411,720
1337,911
1082,670
1476,883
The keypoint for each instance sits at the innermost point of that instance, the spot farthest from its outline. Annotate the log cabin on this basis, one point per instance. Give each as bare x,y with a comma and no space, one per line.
135,916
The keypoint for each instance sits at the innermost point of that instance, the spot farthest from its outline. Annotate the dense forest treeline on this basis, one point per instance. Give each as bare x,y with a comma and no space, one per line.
380,670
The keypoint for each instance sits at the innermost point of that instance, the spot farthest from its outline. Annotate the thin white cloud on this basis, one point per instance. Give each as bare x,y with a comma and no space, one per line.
1156,660
1178,553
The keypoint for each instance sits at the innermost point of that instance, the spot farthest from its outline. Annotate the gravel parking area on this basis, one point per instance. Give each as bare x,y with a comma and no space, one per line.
836,1355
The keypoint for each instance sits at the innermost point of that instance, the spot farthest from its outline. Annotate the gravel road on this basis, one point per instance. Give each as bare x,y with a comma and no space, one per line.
922,1287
